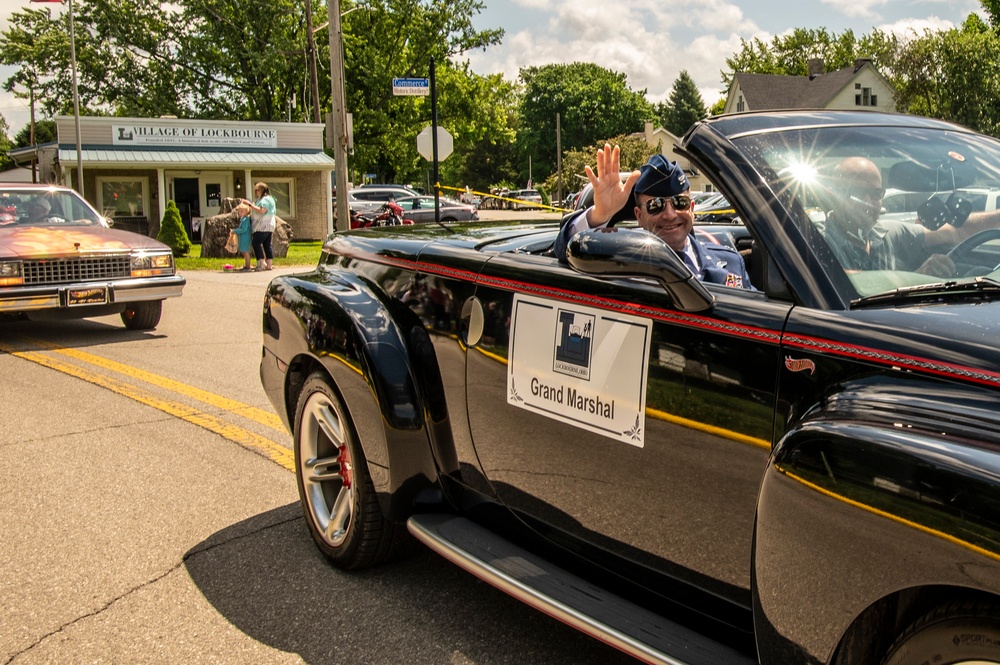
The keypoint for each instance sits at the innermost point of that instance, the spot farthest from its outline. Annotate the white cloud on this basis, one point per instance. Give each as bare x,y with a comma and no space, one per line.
907,28
857,8
647,40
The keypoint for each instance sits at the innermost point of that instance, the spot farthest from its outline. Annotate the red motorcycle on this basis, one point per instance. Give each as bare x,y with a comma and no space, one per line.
390,214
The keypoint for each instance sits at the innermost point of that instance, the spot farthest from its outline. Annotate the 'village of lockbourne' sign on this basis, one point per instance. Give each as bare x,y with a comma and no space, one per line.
193,135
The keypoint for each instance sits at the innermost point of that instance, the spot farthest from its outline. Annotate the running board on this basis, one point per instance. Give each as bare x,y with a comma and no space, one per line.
570,599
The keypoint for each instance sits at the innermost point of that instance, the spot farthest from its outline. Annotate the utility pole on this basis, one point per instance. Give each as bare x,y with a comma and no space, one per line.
338,104
434,143
559,195
311,58
76,104
34,162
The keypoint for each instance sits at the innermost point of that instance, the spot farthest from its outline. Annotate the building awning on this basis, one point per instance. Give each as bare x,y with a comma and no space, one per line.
198,158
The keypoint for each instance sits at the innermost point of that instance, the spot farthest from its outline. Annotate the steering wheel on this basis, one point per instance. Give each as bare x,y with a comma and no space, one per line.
961,252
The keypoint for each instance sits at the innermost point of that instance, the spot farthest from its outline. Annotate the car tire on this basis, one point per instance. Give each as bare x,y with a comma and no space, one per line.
448,219
142,315
335,489
958,632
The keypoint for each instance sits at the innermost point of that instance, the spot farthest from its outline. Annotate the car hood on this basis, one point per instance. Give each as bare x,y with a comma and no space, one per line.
60,241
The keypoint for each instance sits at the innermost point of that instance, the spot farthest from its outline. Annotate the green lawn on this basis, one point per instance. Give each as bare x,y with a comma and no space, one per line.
303,253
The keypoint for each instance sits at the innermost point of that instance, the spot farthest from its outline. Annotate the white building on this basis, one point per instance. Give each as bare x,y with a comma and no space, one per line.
133,166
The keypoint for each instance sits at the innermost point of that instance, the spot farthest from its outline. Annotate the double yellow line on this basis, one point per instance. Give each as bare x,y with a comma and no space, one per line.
78,364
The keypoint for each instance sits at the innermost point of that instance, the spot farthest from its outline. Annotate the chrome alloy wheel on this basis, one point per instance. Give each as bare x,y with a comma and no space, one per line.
326,469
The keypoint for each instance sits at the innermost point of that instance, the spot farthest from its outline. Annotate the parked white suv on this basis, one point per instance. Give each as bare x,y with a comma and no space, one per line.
372,197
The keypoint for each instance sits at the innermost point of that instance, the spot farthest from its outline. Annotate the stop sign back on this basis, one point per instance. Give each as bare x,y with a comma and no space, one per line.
425,143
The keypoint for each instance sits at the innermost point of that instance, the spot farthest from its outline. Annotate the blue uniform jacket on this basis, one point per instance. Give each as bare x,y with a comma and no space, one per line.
720,264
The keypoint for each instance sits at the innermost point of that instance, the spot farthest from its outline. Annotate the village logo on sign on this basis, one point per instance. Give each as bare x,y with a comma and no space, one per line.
574,332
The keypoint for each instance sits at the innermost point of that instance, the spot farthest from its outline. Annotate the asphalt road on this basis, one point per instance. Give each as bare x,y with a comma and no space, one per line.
149,514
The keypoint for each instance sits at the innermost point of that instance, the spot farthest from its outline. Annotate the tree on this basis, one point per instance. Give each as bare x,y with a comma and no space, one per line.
5,145
594,103
387,39
38,45
684,108
481,114
45,132
992,8
948,74
223,60
789,54
172,233
951,75
634,152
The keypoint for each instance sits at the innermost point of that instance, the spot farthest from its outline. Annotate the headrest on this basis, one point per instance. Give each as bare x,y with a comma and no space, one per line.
934,176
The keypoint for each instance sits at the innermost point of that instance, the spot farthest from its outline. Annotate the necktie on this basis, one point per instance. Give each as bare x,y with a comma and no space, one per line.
689,262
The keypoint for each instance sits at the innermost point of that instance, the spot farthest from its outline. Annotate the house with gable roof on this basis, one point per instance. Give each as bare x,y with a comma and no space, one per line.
664,140
860,86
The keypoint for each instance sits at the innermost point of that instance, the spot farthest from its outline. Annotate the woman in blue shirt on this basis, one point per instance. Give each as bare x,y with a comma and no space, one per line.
262,222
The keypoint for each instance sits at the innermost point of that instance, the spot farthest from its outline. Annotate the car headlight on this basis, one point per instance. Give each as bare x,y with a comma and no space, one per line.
152,265
10,273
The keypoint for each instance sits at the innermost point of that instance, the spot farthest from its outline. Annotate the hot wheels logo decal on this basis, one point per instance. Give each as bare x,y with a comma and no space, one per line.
794,365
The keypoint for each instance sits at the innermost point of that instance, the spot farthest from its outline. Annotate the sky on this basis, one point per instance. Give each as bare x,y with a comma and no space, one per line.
650,41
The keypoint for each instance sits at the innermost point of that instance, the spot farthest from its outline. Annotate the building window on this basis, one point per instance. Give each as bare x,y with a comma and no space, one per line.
283,191
740,106
119,196
866,98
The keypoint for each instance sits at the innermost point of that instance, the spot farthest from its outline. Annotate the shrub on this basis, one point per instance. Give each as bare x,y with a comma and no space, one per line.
172,233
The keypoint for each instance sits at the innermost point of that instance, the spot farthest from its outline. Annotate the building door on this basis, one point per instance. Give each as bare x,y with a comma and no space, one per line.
186,198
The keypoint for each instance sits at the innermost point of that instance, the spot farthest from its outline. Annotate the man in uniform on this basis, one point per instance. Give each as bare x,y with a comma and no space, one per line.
663,207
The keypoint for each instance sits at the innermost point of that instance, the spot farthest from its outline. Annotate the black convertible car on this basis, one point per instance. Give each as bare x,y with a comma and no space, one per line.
808,472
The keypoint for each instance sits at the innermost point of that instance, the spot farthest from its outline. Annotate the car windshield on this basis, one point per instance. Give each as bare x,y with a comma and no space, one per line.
44,207
886,206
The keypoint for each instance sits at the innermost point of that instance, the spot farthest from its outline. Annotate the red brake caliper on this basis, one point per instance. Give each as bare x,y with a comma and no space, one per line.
344,459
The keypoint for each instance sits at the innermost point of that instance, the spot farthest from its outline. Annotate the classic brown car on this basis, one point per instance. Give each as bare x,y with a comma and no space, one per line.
59,259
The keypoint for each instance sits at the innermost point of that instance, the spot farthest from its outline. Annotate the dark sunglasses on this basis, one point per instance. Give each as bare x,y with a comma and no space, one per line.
680,202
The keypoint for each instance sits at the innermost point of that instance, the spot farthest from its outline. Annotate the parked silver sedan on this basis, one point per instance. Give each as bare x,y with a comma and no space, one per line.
420,209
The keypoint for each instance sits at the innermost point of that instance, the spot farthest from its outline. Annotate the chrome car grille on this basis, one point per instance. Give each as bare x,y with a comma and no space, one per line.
64,271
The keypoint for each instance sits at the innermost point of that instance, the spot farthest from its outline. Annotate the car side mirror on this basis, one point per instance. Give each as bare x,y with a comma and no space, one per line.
618,252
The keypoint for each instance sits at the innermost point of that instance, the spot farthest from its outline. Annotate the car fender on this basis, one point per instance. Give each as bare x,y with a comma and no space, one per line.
368,353
853,511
